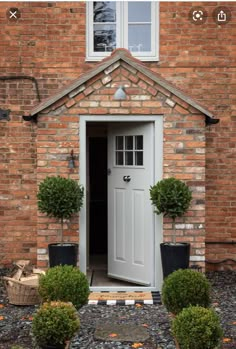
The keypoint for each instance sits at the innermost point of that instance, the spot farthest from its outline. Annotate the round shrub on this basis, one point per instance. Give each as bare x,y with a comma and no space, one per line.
60,198
183,288
197,328
65,283
171,197
55,323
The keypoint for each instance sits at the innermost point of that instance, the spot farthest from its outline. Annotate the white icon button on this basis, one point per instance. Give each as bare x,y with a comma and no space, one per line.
198,15
222,17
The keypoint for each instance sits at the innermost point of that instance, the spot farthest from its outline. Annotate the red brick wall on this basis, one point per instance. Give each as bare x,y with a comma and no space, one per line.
17,174
48,43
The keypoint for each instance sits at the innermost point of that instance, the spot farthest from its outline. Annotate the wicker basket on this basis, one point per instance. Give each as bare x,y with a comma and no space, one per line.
22,292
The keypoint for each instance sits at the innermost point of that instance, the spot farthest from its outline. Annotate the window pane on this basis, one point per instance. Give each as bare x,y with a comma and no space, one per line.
139,37
139,158
128,158
104,37
139,142
104,11
139,11
119,158
108,28
119,143
128,142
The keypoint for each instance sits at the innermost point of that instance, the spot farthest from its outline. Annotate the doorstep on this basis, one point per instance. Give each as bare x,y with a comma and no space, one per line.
124,298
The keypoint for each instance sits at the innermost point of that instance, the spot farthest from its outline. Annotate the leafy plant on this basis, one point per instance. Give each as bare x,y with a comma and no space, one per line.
185,287
171,197
55,323
197,328
60,198
65,283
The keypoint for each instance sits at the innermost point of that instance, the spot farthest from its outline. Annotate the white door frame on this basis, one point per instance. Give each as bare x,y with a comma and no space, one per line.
158,171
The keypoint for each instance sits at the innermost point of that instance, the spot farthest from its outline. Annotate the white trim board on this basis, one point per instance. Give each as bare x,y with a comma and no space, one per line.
158,166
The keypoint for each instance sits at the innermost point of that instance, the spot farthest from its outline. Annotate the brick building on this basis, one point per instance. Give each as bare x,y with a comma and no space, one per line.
58,77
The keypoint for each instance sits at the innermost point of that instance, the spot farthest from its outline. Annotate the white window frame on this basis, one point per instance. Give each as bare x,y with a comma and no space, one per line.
122,33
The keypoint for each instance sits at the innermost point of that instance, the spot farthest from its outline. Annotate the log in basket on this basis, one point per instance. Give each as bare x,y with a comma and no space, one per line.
23,290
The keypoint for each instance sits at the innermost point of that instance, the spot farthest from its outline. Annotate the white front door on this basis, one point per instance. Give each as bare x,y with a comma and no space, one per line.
130,213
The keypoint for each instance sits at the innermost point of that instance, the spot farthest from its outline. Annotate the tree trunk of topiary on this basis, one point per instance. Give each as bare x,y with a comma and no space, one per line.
61,232
174,229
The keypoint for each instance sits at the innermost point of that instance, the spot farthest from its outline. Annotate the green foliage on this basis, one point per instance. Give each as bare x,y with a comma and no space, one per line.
55,323
183,288
197,328
65,283
60,197
171,197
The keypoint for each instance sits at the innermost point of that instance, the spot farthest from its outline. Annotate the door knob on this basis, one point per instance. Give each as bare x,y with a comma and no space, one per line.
126,178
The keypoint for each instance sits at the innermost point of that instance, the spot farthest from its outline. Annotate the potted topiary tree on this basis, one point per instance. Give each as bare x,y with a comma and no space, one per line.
197,328
172,197
65,283
185,287
54,324
60,198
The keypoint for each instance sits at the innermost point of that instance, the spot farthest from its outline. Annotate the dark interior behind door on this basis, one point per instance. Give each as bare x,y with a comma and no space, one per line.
98,195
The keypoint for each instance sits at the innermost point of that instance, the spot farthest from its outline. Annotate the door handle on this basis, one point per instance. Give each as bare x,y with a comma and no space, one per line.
126,178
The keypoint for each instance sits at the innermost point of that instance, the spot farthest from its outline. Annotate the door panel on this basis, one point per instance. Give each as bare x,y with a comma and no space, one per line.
119,231
138,226
130,214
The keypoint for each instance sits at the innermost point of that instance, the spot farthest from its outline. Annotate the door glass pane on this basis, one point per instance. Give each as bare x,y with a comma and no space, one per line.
139,158
139,142
129,158
104,36
139,37
139,11
104,11
119,143
119,158
129,150
129,142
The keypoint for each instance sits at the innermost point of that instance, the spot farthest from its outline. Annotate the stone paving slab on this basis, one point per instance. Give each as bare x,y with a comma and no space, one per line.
121,332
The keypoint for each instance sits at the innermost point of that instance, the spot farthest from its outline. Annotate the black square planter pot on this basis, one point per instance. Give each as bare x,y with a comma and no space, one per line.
62,254
174,257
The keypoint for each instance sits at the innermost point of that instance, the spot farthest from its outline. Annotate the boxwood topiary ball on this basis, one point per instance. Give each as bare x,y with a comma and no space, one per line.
197,328
55,323
183,288
65,283
171,196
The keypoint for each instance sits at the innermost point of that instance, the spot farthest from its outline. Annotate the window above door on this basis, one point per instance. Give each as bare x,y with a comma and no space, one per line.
122,24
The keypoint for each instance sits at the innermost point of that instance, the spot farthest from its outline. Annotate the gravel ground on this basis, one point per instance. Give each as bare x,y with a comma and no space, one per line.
15,321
